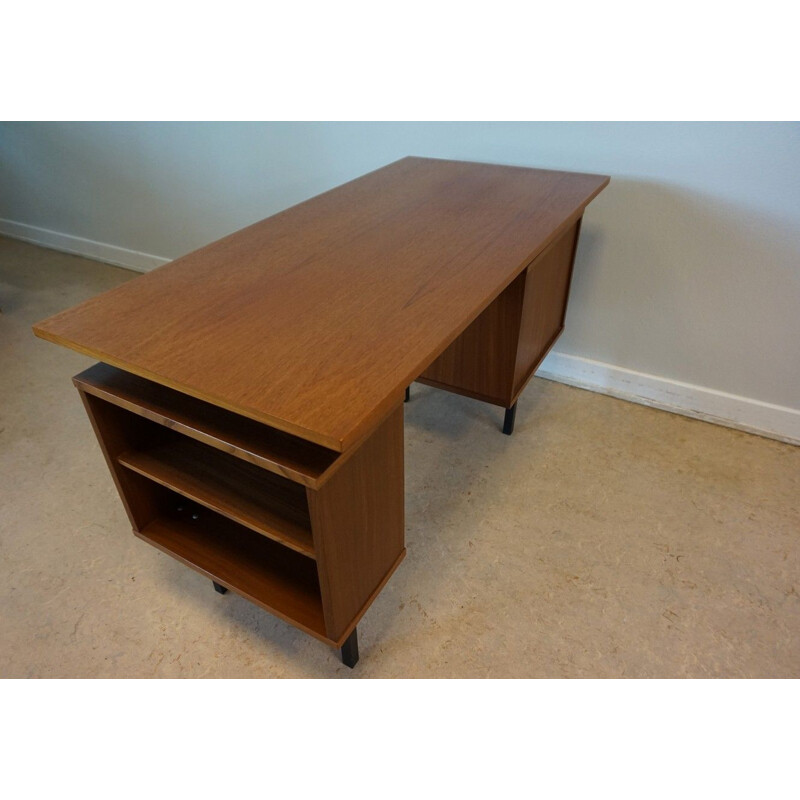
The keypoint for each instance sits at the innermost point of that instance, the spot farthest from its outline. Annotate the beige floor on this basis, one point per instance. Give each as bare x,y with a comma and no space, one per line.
603,539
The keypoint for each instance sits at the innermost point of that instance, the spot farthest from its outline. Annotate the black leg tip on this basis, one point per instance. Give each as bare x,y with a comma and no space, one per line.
508,421
350,650
219,588
408,393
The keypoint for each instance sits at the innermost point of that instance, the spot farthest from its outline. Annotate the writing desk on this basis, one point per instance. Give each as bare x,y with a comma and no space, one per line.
249,396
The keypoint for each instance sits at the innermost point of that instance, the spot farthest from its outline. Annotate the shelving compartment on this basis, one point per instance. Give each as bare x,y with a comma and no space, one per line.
239,524
266,503
277,452
237,501
275,577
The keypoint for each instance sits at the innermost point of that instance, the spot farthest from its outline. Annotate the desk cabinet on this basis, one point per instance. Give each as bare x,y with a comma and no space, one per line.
496,356
309,534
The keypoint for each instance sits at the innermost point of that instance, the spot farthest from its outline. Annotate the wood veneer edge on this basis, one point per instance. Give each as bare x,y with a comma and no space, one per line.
336,442
330,442
447,387
266,464
282,539
532,371
352,447
517,391
370,600
559,231
270,609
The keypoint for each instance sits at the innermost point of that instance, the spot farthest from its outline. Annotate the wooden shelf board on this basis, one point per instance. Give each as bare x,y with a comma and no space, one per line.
275,578
267,504
273,450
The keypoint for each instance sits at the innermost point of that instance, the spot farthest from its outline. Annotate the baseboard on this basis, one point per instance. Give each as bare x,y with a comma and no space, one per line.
87,248
699,402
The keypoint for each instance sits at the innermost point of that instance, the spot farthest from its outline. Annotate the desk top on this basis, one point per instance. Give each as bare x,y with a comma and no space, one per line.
315,320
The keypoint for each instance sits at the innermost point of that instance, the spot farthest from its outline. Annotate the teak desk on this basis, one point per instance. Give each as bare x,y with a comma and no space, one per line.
250,399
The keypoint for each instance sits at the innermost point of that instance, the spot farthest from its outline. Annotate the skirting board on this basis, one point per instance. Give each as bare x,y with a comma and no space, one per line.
732,411
87,248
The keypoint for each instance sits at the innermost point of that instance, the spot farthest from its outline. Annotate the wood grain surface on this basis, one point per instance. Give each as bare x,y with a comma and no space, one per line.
496,356
278,452
261,501
357,519
480,362
266,573
545,305
117,432
315,320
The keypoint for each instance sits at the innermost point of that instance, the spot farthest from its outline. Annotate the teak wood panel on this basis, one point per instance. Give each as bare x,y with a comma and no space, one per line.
275,451
497,354
357,520
544,307
263,502
117,432
353,524
266,573
481,362
315,320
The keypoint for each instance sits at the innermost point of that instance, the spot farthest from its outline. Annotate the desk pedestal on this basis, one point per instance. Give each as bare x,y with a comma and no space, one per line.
309,534
496,356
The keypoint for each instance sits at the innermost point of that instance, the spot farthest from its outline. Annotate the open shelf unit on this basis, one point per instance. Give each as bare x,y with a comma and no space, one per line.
272,576
265,503
307,533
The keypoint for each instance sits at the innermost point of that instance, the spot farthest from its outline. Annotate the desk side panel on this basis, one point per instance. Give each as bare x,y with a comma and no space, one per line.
117,432
547,282
357,520
481,362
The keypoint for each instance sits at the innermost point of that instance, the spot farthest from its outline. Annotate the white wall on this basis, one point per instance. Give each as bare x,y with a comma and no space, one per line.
687,284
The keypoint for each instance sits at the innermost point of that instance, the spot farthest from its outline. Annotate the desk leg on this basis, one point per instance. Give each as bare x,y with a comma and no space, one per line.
408,393
350,649
508,421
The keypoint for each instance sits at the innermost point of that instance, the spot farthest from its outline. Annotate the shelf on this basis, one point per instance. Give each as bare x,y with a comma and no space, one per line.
271,449
276,578
218,510
266,503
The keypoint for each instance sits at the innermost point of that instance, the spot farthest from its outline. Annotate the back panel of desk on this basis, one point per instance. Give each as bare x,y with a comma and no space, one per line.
497,355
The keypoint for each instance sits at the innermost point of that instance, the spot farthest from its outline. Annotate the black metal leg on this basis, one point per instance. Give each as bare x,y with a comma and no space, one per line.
350,650
408,393
218,588
508,422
